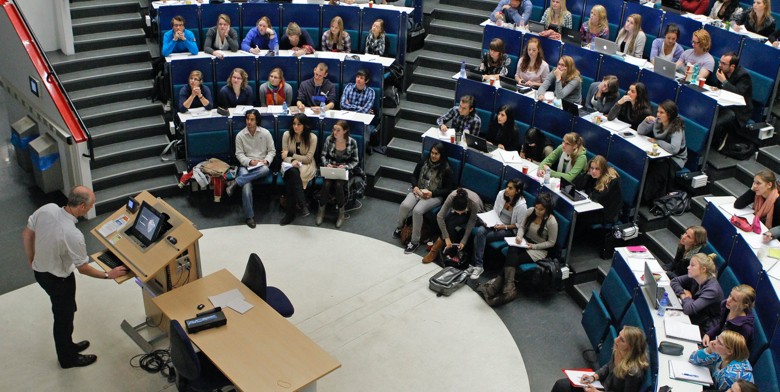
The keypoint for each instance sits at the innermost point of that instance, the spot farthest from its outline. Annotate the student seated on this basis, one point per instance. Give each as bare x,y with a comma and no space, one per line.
336,39
555,17
742,386
462,117
261,37
298,147
510,207
699,54
763,194
502,131
602,184
539,230
666,47
431,182
731,77
699,291
236,91
736,314
568,160
297,40
602,95
457,217
221,38
358,97
316,90
758,20
727,359
631,39
494,62
726,10
596,26
512,11
178,39
625,370
565,80
667,130
691,242
532,69
633,107
376,38
340,150
195,94
275,91
537,146
698,7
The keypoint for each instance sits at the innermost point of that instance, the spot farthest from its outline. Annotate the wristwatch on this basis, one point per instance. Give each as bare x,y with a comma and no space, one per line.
105,275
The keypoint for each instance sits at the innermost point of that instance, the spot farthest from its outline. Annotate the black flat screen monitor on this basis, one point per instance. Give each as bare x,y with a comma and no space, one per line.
148,225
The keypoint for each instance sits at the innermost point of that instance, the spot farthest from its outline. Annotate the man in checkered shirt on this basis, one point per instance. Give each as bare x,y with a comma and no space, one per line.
462,116
358,97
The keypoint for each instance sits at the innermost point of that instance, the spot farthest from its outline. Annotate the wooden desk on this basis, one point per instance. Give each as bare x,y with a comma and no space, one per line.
258,350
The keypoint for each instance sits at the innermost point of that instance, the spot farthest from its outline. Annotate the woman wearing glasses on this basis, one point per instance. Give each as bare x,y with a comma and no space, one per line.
699,54
275,91
194,94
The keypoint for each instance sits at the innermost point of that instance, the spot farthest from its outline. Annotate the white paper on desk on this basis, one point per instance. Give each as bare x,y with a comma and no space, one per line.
755,241
729,210
511,241
490,218
240,306
638,61
509,156
684,370
369,57
576,375
680,330
241,109
774,272
226,298
615,125
275,109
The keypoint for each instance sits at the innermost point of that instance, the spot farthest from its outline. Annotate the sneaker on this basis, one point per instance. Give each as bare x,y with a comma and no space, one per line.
476,272
230,188
411,248
397,233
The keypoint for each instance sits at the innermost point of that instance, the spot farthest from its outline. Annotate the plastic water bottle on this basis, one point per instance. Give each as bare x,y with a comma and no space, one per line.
547,176
663,304
463,138
322,110
274,44
285,108
463,69
695,74
276,49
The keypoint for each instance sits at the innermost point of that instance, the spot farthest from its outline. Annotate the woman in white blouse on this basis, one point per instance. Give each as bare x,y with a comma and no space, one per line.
631,39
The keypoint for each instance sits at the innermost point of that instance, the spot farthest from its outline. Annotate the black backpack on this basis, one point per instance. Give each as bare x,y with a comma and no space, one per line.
739,151
548,276
673,203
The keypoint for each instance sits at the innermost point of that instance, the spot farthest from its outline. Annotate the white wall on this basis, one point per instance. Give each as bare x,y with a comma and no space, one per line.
50,21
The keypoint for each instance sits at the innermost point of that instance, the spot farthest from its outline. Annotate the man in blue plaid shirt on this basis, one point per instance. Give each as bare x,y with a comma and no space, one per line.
462,116
358,97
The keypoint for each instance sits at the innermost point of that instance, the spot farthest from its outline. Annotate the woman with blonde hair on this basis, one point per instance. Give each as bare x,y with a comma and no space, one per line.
568,160
336,39
763,194
532,70
236,91
690,244
699,54
736,314
596,26
375,40
221,38
556,16
602,184
625,370
758,20
631,39
700,292
565,79
727,359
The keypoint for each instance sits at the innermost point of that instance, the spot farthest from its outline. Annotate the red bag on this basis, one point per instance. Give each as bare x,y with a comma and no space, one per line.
741,223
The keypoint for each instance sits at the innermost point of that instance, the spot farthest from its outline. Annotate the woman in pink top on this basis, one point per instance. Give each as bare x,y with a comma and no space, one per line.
532,69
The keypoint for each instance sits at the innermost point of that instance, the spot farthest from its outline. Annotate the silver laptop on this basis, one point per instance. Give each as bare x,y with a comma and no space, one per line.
655,293
605,46
334,173
664,67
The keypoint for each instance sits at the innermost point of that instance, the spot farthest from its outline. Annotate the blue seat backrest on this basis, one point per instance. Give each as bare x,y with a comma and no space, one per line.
597,138
645,313
763,70
531,187
538,9
652,19
290,68
758,341
595,320
482,174
687,27
614,14
744,262
720,262
631,317
727,280
553,120
564,214
512,39
588,63
768,309
522,108
577,12
351,18
551,48
765,371
720,232
306,69
188,12
615,295
659,88
224,67
605,353
629,189
307,16
630,162
356,131
394,29
627,276
723,41
251,12
699,112
485,96
455,156
376,78
209,14
180,74
206,138
626,73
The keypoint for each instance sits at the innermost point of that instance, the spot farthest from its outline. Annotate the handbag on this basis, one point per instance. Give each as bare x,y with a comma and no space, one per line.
455,257
626,231
741,223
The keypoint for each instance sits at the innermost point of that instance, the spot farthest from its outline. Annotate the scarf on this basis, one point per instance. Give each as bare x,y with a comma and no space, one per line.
275,95
430,176
765,207
219,41
564,163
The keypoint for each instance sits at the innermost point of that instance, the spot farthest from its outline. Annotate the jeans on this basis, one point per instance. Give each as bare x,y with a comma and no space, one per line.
62,292
244,180
483,236
417,207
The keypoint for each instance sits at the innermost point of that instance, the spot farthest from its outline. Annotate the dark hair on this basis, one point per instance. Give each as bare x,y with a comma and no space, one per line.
509,125
533,134
178,18
345,126
642,101
362,72
306,134
672,28
252,111
734,58
469,100
496,44
461,200
746,386
439,147
519,188
676,124
546,201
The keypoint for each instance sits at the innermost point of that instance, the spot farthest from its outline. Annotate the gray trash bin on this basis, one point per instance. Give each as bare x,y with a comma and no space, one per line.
46,163
22,133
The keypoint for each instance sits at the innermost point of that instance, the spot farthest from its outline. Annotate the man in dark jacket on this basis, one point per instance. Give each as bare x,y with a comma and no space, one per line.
731,77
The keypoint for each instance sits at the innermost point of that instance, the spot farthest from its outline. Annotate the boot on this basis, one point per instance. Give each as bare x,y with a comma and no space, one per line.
491,288
434,253
320,215
340,219
510,290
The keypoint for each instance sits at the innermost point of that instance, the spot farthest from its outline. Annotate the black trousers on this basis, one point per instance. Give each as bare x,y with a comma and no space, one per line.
563,385
337,187
62,292
726,124
660,179
456,226
293,189
516,256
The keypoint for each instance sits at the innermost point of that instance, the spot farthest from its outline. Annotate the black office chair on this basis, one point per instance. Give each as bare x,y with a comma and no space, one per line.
194,371
255,279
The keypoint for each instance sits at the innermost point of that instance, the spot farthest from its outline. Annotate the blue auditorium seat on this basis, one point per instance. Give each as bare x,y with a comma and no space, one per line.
605,352
764,70
596,321
626,73
723,41
554,121
728,280
307,16
251,12
188,12
615,295
307,65
614,14
652,19
538,9
513,40
375,82
597,138
588,63
699,113
205,138
522,108
209,14
482,175
768,309
394,31
455,155
744,262
551,48
631,163
351,18
290,67
577,13
659,88
687,27
180,73
485,96
765,371
224,67
720,232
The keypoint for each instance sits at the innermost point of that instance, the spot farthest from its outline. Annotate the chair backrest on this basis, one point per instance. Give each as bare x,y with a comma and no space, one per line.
482,175
205,138
306,71
614,14
699,113
595,320
615,295
723,41
513,40
768,309
727,280
652,18
720,262
744,262
627,276
190,14
605,353
183,355
522,109
351,18
375,82
564,213
485,96
659,87
356,131
626,73
551,48
758,342
223,68
455,155
576,9
555,121
251,12
764,71
307,16
254,276
631,318
180,73
291,73
209,14
395,31
597,138
720,232
630,162
765,372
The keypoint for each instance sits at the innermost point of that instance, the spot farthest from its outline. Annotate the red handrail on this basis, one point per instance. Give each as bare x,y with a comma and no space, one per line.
60,101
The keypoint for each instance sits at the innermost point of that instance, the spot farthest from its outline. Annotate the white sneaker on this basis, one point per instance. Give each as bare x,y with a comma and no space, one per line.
476,272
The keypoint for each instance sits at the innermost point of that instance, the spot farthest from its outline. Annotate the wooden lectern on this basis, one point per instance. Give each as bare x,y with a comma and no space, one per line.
158,268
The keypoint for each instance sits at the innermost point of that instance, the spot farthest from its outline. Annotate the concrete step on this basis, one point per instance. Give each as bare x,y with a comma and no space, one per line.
97,24
390,189
431,95
720,166
663,244
421,112
119,111
110,199
109,39
98,58
698,205
479,6
404,149
112,93
460,14
649,222
410,129
770,157
383,166
729,187
454,29
583,292
445,60
86,9
105,76
678,224
129,171
127,130
746,170
129,150
435,78
465,48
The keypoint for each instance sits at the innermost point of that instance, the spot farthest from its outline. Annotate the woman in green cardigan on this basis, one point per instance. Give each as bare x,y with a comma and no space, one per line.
566,161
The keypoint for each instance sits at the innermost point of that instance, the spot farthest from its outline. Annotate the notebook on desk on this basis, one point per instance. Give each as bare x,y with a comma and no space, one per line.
655,293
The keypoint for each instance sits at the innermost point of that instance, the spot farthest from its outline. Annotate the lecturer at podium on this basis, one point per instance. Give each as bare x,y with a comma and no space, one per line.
54,248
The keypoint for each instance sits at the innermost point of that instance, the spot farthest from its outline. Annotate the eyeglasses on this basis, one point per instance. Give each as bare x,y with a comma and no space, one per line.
178,25
695,42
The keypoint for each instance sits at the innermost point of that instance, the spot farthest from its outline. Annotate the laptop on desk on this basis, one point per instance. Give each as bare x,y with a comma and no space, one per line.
655,293
536,27
664,67
571,36
334,173
605,46
473,75
672,6
568,190
479,143
574,109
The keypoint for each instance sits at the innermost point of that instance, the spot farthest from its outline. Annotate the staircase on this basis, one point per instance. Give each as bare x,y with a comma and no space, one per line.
110,80
454,35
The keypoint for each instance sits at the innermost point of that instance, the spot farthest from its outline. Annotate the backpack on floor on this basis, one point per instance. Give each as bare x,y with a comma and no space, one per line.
446,281
673,203
548,276
739,151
